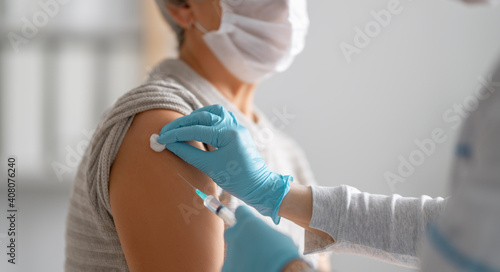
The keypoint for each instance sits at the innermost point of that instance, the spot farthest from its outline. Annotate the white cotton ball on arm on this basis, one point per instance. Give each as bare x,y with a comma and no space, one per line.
154,144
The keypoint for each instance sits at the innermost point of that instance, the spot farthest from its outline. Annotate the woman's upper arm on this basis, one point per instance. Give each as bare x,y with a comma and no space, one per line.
160,221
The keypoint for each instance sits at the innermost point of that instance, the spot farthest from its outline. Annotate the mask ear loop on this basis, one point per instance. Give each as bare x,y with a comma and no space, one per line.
200,27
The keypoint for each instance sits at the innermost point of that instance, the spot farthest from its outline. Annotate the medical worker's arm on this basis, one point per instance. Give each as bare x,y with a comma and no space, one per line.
384,227
388,228
161,223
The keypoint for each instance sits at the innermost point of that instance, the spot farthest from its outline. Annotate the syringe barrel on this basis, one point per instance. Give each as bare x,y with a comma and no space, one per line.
227,215
219,209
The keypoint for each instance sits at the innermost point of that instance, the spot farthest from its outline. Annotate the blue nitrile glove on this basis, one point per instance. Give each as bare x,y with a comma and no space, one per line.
236,166
252,245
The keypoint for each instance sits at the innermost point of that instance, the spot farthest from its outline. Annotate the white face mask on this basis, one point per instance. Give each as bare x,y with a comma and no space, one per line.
257,38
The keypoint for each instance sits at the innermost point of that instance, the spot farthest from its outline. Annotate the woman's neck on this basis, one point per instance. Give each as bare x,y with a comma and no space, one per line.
240,94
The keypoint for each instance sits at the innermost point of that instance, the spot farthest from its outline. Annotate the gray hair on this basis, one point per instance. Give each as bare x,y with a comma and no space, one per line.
162,4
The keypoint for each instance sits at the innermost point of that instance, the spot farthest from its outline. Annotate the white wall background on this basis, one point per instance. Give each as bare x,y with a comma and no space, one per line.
355,120
352,119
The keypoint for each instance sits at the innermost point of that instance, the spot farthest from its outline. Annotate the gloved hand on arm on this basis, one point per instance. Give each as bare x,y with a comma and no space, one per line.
236,166
252,245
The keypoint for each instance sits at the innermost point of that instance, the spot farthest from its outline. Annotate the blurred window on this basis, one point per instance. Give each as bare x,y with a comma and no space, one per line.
62,63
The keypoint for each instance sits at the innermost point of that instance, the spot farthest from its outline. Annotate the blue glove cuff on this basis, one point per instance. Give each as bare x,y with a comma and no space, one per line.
267,199
286,188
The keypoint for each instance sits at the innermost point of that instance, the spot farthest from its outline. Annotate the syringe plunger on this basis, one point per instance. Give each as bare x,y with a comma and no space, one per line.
219,209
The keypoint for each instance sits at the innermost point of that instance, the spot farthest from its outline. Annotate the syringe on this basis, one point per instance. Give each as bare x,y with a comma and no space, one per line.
214,205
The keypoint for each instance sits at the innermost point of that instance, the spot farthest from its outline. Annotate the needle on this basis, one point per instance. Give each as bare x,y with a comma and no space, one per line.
186,181
200,193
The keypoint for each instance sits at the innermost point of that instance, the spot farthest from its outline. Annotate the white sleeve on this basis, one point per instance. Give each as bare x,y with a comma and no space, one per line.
388,228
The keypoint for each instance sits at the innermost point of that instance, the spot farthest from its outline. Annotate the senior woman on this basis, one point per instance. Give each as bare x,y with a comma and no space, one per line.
129,209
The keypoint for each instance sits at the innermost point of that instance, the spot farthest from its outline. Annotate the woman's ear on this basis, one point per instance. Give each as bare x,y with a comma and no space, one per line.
182,15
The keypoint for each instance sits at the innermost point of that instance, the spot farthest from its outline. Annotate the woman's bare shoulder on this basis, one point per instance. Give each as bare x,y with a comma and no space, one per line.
158,217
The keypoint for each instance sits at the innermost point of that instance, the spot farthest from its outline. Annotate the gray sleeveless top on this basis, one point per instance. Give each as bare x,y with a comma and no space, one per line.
92,242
